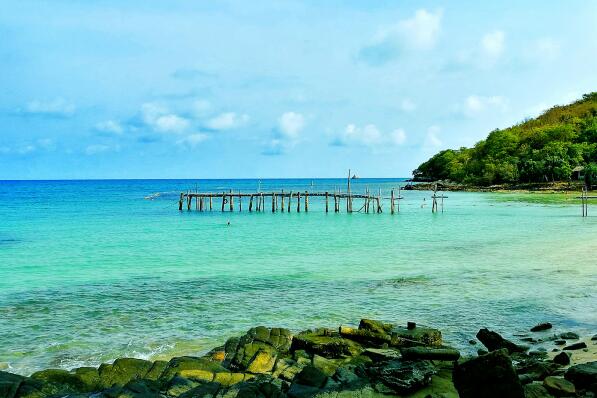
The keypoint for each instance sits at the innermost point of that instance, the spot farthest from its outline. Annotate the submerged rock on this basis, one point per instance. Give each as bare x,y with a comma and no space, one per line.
542,326
569,336
493,341
488,376
576,346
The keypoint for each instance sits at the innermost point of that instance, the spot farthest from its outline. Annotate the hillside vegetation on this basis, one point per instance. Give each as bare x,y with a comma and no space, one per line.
544,149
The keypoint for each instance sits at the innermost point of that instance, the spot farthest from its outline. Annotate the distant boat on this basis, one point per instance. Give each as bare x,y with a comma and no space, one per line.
354,177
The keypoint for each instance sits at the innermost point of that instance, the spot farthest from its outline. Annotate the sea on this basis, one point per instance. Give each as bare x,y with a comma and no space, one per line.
95,270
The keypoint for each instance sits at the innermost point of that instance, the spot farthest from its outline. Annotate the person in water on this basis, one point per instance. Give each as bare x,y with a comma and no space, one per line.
424,203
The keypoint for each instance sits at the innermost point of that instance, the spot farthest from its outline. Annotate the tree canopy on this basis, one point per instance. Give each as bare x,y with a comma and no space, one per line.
543,149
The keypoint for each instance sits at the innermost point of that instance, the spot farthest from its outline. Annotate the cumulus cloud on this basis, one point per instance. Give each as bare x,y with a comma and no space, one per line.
57,107
417,33
274,147
475,104
161,120
492,45
192,140
369,135
110,127
291,124
227,121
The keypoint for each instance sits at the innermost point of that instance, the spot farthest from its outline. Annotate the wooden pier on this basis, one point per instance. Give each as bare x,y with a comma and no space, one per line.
285,201
584,201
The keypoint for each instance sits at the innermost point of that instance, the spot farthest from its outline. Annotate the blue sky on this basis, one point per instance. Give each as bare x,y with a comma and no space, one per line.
188,89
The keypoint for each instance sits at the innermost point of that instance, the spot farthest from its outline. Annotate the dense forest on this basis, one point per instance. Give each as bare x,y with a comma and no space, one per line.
545,149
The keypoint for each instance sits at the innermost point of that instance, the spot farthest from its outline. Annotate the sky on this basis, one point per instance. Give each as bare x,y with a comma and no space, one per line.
274,89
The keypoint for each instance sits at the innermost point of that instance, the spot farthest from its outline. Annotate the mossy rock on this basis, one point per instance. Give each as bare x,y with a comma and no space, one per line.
326,346
179,385
89,376
404,337
156,370
64,379
375,326
199,367
122,371
262,362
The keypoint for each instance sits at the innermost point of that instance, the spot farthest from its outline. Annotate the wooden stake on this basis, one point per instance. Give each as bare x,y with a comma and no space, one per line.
392,201
251,204
326,202
298,202
188,202
240,202
210,204
306,201
282,208
180,201
273,202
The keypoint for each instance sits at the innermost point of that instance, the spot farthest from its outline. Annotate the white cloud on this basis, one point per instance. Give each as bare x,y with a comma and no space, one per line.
171,123
201,108
192,140
475,104
422,30
291,124
55,107
109,126
227,121
492,44
407,105
432,140
369,135
161,120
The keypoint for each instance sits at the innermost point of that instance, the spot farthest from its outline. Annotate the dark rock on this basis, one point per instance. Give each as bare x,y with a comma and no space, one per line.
559,386
488,376
69,381
542,326
403,376
559,342
481,351
563,358
122,371
365,336
535,390
207,390
493,341
531,340
156,370
594,338
382,354
472,342
584,375
420,335
569,336
180,385
535,369
441,354
311,376
9,384
326,346
411,325
576,346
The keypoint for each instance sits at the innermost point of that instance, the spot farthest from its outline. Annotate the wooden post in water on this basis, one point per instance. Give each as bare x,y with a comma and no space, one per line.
180,201
251,204
306,201
273,202
262,205
223,200
298,202
240,202
348,198
282,207
326,202
196,202
210,203
336,207
188,202
201,203
392,201
399,197
379,201
289,200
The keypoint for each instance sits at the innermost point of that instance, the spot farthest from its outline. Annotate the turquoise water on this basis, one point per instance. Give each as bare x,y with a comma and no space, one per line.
91,270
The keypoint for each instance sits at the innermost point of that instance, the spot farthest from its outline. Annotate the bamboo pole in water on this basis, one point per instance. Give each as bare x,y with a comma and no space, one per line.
306,201
298,202
289,200
180,201
282,207
326,202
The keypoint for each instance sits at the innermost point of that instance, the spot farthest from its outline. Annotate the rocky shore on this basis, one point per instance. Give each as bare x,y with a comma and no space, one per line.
374,359
547,187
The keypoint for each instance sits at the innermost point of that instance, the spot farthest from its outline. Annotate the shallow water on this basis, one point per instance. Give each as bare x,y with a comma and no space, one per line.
91,271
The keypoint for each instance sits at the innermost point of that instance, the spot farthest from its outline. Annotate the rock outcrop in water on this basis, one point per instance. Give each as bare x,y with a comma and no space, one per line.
374,360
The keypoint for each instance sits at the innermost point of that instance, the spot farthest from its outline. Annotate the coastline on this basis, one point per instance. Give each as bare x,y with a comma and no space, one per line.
371,359
548,187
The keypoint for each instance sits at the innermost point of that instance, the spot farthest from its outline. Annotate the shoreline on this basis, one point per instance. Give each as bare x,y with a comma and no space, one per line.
538,188
371,359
